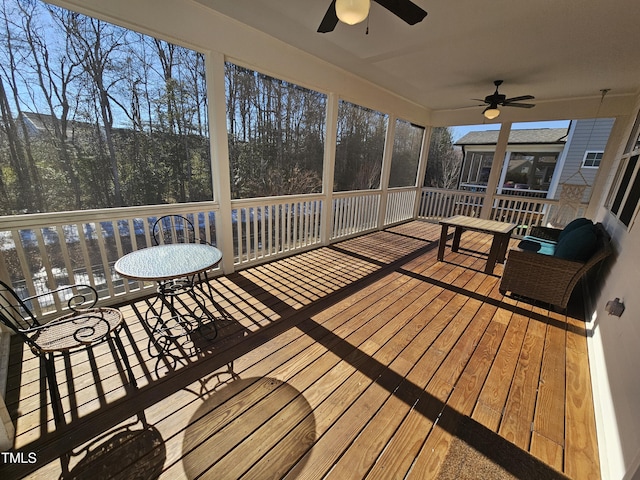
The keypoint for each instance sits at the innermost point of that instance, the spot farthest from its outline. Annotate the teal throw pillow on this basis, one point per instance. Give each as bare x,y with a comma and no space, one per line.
537,245
579,244
573,224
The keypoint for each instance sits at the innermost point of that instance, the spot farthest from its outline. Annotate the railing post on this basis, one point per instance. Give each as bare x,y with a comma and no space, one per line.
496,169
220,158
386,171
328,167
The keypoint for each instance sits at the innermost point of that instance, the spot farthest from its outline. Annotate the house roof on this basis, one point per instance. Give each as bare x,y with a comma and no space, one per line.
37,120
528,136
42,122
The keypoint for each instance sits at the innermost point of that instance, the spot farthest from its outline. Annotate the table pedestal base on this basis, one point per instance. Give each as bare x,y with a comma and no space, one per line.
175,326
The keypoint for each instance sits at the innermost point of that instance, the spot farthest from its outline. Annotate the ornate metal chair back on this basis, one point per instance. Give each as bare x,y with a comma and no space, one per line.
15,312
173,229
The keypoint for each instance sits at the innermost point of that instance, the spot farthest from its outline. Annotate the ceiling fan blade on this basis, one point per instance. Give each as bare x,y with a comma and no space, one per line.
517,99
405,9
519,105
330,19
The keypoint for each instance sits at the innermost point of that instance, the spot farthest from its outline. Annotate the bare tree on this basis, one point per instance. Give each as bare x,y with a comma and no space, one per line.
444,161
29,187
54,77
94,45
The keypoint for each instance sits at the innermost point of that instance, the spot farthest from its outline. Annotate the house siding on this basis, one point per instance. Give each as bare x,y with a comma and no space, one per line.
591,135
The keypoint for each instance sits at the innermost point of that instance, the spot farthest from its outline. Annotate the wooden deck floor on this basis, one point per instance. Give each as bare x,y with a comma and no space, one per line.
366,359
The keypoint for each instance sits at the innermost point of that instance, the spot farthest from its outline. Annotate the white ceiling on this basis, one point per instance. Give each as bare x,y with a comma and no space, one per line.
563,52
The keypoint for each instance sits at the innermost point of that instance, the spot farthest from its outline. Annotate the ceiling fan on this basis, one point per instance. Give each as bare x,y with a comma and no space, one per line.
497,98
355,11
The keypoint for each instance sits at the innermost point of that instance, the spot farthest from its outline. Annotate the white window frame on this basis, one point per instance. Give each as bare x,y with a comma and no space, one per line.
632,149
592,152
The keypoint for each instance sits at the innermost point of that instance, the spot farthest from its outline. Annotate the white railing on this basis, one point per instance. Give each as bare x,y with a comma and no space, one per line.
523,211
436,203
354,213
519,190
400,205
271,227
43,251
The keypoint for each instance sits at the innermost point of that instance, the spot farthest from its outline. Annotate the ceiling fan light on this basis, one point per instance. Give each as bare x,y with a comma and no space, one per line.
352,11
491,112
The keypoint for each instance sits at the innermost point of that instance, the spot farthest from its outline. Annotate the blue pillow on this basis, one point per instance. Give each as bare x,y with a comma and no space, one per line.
578,244
573,224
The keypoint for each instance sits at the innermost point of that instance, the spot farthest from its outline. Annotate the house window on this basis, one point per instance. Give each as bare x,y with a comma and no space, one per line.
625,201
592,159
634,139
624,194
529,171
407,144
359,148
276,135
134,127
475,171
631,202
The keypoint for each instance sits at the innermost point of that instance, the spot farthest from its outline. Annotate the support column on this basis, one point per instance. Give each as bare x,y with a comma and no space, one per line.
386,171
220,158
496,169
422,169
328,167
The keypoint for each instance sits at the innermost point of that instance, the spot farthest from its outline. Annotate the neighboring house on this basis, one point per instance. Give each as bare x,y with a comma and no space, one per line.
539,161
41,124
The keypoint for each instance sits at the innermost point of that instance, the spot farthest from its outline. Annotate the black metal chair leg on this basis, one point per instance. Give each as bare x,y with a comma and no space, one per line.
56,402
125,358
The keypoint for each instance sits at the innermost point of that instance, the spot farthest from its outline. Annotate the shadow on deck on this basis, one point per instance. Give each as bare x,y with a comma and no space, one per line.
365,359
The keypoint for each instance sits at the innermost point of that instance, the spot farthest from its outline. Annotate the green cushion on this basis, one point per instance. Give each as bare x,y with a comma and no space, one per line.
578,244
572,225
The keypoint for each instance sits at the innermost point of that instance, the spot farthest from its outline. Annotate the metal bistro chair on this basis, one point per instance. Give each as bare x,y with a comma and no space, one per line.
82,328
178,229
174,229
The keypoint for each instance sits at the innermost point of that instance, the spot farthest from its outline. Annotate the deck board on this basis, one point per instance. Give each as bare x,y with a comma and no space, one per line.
364,359
492,398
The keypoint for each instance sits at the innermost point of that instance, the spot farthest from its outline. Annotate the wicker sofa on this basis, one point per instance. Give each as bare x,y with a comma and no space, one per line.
549,278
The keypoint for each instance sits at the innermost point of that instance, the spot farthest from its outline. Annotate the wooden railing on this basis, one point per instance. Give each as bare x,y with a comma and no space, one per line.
524,212
271,227
520,190
42,251
436,203
400,205
354,213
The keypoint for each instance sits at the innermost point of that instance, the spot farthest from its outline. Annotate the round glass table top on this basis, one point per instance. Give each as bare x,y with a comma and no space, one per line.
164,262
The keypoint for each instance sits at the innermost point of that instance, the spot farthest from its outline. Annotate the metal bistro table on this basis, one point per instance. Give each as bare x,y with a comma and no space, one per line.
501,232
174,267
